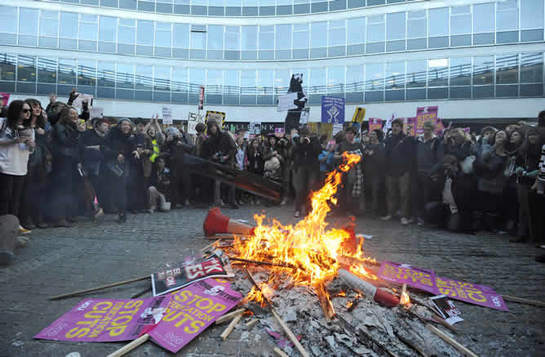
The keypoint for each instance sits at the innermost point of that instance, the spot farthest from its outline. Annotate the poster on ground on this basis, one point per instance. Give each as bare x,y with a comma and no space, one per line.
332,110
427,280
191,310
106,320
185,274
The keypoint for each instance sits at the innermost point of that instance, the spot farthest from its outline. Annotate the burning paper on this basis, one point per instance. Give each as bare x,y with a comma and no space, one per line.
106,320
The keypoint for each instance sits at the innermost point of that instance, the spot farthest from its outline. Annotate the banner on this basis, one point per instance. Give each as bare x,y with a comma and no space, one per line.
185,274
191,310
78,102
5,98
359,115
167,115
332,110
287,102
219,117
375,123
106,320
427,280
424,114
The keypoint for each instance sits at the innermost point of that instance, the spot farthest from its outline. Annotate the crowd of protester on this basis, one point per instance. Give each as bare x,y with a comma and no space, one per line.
57,164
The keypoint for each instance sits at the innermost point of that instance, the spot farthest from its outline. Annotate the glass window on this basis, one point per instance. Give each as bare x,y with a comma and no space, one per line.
8,19
144,77
374,76
29,21
356,30
317,80
318,36
87,73
417,24
507,69
395,75
215,37
181,36
8,65
283,37
47,70
67,71
249,37
247,79
69,25
266,37
126,33
483,18
438,72
281,80
232,38
163,34
300,36
265,81
106,74
196,76
460,20
531,14
162,77
375,28
107,29
416,73
26,69
198,40
395,26
335,78
232,80
531,68
144,34
438,22
179,79
88,27
214,80
507,15
337,36
49,23
460,71
483,70
354,78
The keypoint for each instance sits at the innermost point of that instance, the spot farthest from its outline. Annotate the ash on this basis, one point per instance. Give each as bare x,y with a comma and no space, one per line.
367,330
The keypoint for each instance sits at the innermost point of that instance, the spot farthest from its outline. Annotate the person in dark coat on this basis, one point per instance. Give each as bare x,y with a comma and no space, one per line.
373,171
177,146
118,150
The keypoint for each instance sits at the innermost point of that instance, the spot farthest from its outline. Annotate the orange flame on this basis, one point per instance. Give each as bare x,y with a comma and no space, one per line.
362,272
405,300
308,245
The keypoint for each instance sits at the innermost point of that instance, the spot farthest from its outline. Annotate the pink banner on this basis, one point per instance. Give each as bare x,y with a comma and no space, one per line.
5,98
427,280
424,114
410,126
375,123
106,320
191,310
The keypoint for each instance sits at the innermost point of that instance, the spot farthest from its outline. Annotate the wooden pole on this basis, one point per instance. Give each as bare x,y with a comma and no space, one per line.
79,292
523,300
461,348
229,316
279,352
130,346
230,328
259,262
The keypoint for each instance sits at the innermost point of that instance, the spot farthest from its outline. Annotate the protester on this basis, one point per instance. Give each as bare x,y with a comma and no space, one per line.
159,187
177,146
353,179
373,172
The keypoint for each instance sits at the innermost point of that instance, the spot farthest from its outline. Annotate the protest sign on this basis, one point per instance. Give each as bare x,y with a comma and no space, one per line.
424,114
375,123
287,102
185,274
106,320
279,132
167,115
191,310
219,117
336,128
410,126
359,115
405,274
78,102
97,112
255,128
201,98
332,110
5,98
305,114
192,120
427,280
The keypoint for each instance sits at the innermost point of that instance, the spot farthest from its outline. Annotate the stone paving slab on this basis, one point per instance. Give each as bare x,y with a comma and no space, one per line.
65,259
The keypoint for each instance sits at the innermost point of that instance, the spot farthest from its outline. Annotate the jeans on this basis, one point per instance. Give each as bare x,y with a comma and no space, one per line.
304,180
398,191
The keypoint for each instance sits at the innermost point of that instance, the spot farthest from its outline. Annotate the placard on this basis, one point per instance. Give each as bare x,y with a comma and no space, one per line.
424,114
78,102
375,123
5,98
167,115
287,102
332,110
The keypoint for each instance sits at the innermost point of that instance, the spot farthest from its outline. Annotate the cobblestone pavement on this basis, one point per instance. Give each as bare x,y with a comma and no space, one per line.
65,259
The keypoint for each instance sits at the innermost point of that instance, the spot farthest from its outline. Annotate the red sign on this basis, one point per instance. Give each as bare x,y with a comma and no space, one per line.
201,98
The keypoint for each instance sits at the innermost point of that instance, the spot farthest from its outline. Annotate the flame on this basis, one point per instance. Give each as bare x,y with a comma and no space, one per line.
257,294
362,272
309,245
405,300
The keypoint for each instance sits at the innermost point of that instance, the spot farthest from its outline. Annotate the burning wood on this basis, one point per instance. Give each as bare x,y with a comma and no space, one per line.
257,262
230,327
229,316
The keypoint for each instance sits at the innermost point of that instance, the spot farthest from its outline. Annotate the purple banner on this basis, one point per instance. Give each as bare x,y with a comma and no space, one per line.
427,280
405,274
191,310
106,320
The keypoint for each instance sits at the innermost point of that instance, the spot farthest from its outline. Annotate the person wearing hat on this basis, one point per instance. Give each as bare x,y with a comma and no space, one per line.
117,151
91,143
306,168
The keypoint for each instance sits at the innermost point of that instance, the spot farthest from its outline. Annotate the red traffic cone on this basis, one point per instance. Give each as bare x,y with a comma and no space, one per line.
216,222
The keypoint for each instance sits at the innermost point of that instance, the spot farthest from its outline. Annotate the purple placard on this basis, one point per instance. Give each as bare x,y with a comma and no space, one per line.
405,274
106,320
191,310
472,293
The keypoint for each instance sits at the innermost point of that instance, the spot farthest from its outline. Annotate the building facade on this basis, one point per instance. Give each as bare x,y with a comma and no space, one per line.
476,59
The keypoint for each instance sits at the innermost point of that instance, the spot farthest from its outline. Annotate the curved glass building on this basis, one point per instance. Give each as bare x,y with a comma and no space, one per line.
476,59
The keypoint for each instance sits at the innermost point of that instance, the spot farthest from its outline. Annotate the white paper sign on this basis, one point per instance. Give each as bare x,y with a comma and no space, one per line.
255,128
167,115
78,102
337,128
192,120
97,112
303,119
286,102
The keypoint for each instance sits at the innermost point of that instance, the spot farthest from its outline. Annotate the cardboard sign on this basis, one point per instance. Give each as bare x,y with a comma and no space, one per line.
279,132
255,128
305,114
167,115
185,274
332,110
287,102
5,98
78,102
410,126
375,123
191,310
97,112
336,128
359,115
106,320
427,280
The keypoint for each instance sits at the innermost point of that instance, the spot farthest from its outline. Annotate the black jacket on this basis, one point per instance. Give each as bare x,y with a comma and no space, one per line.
306,154
221,144
400,153
65,141
92,158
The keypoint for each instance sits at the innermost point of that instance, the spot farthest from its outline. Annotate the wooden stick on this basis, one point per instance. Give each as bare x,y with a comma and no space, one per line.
251,323
140,293
99,288
523,300
230,328
208,246
461,348
290,334
130,346
229,316
411,344
259,262
279,352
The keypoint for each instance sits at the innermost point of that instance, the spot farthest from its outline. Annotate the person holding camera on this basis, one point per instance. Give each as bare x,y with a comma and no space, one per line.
16,144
